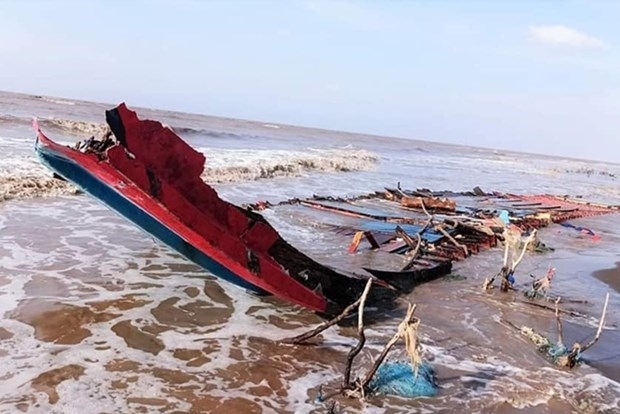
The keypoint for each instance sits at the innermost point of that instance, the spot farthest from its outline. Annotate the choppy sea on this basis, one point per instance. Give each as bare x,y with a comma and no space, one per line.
96,316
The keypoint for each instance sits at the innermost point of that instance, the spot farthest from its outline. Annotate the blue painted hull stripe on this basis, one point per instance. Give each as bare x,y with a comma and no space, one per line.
80,176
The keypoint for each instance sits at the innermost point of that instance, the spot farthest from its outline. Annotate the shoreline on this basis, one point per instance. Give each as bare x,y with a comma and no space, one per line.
610,276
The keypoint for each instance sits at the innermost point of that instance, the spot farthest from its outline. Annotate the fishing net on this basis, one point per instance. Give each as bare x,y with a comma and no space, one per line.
414,378
397,378
556,352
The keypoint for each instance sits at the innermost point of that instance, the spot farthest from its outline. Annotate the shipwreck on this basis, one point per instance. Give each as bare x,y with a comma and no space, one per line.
147,174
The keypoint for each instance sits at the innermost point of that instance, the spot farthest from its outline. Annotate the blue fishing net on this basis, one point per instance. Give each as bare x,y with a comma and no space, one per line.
557,350
397,378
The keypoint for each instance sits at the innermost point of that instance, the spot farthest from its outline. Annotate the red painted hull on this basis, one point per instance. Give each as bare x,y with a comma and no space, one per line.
154,169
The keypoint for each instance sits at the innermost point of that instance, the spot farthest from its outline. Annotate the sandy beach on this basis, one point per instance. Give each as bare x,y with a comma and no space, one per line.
97,314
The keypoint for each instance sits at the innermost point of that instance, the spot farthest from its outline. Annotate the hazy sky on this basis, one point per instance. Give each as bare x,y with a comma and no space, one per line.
540,76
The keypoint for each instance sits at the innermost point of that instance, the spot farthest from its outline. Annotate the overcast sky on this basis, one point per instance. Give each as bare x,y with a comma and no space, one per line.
538,76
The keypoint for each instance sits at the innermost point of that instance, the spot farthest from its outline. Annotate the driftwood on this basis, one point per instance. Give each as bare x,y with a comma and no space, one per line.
571,358
360,387
407,329
600,326
507,271
558,321
324,325
550,308
423,206
406,238
440,227
360,335
414,255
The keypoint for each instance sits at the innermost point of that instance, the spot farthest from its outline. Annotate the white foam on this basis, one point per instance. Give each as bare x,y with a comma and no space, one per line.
249,164
97,256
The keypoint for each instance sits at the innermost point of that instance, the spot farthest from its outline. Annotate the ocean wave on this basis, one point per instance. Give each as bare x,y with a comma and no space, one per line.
25,177
87,129
55,100
225,166
11,119
71,126
75,127
24,186
587,171
185,131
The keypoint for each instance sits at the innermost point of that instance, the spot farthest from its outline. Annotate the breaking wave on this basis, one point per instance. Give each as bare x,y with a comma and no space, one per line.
75,127
17,187
247,165
70,126
11,119
23,177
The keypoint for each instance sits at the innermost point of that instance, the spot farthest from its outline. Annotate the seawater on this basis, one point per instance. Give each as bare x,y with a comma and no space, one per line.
97,316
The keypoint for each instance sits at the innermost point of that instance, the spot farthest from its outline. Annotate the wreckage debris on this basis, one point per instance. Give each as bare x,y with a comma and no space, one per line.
557,352
465,226
512,241
399,379
433,204
540,287
146,173
411,379
462,223
149,175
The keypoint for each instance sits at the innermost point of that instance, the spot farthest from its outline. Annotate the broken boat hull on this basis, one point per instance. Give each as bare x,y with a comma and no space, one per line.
106,190
151,177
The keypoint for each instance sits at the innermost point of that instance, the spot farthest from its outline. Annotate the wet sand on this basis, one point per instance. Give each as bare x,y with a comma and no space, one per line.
158,335
610,276
97,316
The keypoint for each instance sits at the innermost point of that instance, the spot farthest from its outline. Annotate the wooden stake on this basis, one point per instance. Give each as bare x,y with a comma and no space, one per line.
600,326
361,338
527,242
559,321
506,248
